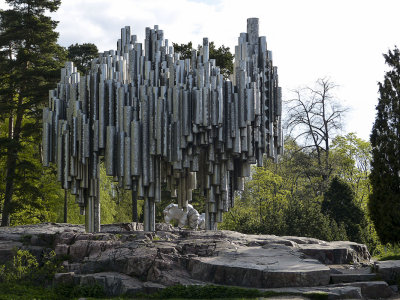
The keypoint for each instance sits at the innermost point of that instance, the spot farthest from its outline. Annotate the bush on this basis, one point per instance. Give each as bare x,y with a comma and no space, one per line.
25,278
22,267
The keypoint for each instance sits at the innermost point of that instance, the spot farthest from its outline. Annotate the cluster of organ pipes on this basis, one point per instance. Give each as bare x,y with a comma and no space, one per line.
156,118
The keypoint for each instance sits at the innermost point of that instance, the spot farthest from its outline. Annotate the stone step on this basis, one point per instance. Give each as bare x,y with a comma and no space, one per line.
389,270
370,289
322,292
257,267
345,278
116,284
113,283
339,252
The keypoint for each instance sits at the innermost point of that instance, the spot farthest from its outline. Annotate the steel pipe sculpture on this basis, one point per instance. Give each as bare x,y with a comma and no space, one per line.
156,118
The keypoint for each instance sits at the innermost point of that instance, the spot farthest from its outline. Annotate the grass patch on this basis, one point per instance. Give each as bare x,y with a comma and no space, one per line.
388,252
390,257
316,295
11,291
26,290
208,292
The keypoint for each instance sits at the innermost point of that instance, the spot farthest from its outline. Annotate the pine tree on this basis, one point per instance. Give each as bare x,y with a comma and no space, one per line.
30,60
339,204
384,202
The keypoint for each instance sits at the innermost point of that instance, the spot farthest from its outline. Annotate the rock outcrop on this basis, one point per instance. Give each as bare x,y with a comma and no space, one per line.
125,260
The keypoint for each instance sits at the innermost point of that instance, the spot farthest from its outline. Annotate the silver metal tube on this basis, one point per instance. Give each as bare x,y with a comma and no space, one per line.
155,116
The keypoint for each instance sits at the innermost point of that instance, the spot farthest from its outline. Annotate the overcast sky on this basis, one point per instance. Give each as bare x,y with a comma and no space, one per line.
342,40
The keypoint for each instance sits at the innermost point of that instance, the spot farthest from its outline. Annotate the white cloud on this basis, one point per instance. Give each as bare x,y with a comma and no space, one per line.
310,39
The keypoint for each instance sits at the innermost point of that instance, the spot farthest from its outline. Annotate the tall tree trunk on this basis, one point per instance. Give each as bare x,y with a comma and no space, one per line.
12,156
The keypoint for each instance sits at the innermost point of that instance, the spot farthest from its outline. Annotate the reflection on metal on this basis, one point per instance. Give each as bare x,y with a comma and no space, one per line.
157,118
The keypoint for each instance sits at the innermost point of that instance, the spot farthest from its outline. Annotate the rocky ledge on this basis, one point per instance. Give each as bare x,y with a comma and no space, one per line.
126,260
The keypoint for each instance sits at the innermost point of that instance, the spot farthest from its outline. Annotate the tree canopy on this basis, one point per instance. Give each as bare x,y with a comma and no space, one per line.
30,60
314,117
82,55
384,202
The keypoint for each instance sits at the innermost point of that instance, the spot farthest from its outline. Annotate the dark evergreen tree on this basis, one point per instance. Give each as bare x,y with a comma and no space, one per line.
82,55
339,204
384,202
30,60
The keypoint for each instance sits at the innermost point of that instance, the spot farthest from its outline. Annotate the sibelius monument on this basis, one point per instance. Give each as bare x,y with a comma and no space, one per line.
156,118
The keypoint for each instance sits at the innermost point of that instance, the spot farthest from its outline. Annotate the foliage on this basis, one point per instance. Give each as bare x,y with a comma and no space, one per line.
115,201
185,50
290,200
222,55
314,117
23,291
268,198
30,60
298,217
74,215
27,278
49,266
305,218
351,157
384,201
27,291
21,267
36,190
339,204
209,292
82,55
24,267
223,59
77,291
389,252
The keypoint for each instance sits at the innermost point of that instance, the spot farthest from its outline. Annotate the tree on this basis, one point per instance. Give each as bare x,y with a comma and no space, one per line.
185,50
82,55
384,202
30,60
351,159
222,55
223,59
339,204
314,116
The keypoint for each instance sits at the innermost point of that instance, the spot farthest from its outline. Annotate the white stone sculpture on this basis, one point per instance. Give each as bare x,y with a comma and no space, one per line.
189,217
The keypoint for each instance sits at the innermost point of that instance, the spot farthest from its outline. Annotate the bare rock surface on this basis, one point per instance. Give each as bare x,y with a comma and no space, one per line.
389,270
331,292
125,260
